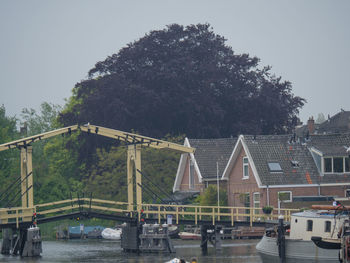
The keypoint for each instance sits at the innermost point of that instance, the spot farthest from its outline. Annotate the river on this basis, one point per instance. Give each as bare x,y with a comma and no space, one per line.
233,251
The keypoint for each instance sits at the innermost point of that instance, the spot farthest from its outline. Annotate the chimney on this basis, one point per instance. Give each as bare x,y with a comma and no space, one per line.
311,125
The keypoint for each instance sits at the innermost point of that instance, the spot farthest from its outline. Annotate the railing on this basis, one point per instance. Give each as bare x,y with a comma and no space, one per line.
16,215
155,211
212,213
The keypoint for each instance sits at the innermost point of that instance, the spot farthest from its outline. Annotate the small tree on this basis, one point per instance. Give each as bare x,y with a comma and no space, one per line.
210,197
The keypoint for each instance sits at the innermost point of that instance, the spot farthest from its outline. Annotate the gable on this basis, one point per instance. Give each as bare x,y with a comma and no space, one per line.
239,149
184,166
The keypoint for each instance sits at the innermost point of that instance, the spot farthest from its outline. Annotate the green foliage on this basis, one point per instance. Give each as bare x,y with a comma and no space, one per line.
43,122
267,209
9,160
108,178
210,196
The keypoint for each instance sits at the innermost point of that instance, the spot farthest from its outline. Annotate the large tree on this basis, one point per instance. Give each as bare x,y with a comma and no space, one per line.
184,80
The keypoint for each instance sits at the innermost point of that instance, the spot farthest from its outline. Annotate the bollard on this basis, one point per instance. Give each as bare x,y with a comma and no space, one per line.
281,240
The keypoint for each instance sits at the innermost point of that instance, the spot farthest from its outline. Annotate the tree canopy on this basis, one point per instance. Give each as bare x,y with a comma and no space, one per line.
184,80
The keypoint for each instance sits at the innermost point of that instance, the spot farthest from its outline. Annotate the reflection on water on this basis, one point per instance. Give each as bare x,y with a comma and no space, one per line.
110,251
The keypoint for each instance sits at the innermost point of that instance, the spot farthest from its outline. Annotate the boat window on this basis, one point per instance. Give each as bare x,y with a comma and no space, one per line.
309,225
296,220
327,226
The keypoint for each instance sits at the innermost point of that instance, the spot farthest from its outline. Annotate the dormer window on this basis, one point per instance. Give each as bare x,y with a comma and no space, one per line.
336,165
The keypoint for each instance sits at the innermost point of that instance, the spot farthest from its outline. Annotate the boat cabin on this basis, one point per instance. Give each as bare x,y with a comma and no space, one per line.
324,224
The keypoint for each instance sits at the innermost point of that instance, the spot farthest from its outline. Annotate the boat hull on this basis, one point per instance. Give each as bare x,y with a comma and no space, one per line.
298,251
189,236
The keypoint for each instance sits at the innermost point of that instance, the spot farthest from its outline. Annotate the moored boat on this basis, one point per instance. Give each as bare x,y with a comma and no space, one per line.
189,236
298,244
110,233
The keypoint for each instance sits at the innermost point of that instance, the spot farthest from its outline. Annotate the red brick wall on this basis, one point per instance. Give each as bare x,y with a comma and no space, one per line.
236,185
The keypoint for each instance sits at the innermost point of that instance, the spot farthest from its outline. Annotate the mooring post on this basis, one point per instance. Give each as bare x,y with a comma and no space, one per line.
281,240
204,242
218,236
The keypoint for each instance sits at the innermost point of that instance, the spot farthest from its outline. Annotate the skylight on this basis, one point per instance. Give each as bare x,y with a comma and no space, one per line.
274,167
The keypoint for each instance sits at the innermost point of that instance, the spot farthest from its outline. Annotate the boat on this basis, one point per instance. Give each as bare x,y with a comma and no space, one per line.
323,225
173,231
111,233
177,260
75,232
190,236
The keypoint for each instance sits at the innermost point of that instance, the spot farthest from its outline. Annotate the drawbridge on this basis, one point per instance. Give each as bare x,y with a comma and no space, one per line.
132,211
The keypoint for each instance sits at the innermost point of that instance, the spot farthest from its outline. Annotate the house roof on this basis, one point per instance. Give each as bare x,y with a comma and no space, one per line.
296,162
208,153
331,144
268,153
212,151
339,123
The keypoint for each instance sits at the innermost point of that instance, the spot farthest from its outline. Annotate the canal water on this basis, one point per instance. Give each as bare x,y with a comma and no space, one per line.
233,251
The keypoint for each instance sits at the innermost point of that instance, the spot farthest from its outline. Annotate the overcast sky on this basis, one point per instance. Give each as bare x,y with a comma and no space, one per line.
48,46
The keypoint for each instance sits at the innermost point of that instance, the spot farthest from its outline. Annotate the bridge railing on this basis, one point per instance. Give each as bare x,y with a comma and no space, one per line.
212,213
16,215
82,204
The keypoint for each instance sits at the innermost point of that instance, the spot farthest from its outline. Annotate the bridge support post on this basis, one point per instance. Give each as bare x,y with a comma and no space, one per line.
27,176
134,164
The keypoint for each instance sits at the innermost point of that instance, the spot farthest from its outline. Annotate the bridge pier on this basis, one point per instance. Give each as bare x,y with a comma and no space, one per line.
26,242
7,238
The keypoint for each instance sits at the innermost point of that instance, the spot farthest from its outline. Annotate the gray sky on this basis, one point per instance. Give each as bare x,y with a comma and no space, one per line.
48,46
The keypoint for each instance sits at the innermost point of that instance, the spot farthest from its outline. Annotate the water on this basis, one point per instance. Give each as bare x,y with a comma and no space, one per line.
235,251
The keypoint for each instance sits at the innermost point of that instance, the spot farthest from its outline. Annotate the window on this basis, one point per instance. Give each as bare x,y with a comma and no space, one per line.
245,168
309,225
274,167
256,201
347,193
336,165
327,226
327,165
285,196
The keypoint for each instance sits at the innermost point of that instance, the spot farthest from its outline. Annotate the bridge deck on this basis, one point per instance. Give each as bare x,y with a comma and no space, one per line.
156,213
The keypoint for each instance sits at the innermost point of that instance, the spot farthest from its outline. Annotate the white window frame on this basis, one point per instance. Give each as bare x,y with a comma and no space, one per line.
290,196
245,165
256,203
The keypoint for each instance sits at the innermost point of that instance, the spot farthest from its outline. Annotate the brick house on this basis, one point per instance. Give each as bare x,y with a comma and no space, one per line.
196,171
264,168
